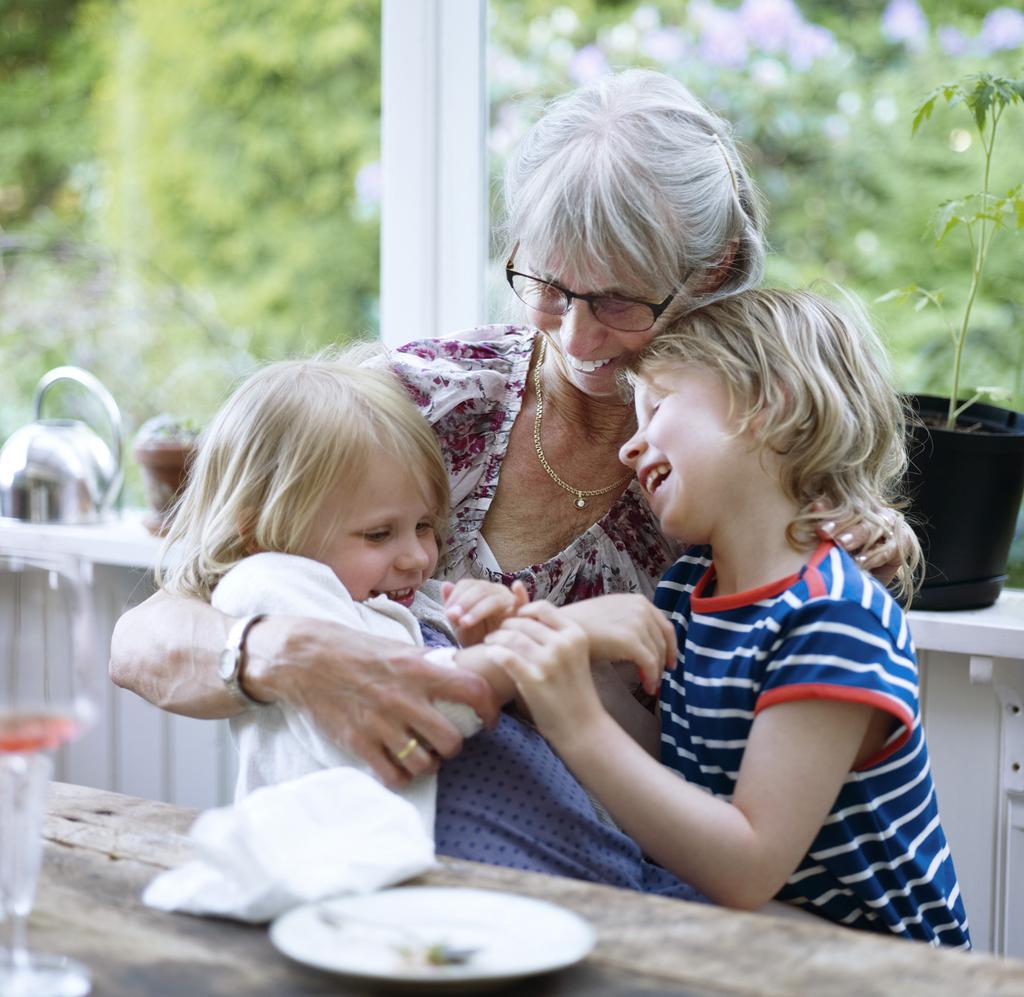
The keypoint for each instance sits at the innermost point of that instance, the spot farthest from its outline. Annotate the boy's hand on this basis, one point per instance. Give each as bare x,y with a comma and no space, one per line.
475,608
627,628
550,665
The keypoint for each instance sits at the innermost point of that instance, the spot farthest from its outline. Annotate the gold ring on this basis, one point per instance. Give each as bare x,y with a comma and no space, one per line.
410,746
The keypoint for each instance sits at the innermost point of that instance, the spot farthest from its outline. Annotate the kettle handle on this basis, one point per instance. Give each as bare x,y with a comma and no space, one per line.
92,384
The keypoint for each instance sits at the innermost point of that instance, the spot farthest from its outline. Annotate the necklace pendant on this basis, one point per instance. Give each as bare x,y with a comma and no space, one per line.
580,502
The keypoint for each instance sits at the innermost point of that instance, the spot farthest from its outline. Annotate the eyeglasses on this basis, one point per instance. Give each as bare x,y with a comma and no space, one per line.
621,314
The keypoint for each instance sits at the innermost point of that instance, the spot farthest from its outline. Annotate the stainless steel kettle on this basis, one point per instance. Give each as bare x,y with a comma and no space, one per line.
59,470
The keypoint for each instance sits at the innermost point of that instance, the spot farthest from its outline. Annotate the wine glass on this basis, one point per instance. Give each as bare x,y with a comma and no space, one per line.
48,676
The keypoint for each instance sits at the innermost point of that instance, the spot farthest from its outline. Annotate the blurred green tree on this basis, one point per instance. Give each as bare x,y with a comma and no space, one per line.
47,80
233,135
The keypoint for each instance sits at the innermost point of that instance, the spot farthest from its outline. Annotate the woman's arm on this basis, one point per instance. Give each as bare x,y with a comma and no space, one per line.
626,627
165,650
366,694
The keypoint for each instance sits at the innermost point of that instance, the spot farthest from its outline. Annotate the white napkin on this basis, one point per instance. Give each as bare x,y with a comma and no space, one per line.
330,832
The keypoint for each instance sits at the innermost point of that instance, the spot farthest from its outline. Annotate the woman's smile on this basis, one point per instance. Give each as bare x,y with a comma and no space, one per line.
587,366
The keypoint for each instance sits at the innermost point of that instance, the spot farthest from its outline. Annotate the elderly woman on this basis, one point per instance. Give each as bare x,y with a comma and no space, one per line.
627,205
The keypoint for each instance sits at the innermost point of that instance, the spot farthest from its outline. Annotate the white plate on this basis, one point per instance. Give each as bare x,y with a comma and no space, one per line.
385,936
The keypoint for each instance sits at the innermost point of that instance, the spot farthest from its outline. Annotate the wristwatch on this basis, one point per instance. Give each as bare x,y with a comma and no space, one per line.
232,659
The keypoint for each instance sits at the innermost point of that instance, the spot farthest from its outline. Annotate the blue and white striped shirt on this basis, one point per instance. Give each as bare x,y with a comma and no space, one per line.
880,860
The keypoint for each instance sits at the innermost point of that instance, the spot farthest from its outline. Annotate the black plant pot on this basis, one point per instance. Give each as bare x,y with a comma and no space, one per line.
965,489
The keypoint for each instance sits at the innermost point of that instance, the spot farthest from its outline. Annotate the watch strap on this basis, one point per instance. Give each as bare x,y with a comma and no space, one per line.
232,662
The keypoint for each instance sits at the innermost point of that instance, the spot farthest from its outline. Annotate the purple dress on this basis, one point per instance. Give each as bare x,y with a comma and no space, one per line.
507,799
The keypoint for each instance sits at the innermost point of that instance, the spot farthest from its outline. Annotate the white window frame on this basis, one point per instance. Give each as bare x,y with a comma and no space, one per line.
434,218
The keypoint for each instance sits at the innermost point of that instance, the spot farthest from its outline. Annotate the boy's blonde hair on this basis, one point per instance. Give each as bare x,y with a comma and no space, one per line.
276,448
810,381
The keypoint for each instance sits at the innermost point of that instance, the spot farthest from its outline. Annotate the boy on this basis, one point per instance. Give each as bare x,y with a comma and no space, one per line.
793,703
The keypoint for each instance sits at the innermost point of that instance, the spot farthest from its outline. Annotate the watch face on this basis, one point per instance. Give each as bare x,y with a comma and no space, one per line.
227,664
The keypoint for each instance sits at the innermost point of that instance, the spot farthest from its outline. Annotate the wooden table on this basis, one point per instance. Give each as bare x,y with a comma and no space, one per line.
103,848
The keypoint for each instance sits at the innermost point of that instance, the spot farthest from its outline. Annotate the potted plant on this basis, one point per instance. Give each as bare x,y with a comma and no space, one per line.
164,448
967,458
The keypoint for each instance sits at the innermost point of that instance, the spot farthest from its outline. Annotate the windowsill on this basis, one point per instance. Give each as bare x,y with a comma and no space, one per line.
124,541
997,631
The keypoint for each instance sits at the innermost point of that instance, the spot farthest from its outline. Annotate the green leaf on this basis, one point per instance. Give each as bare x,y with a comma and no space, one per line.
981,100
898,294
923,297
994,392
1013,206
923,111
1004,92
949,215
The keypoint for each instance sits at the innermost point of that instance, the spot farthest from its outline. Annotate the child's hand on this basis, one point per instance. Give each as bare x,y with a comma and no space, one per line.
475,608
550,665
488,660
627,628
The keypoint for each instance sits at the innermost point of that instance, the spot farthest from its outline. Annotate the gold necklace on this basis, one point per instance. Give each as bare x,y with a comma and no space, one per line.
582,494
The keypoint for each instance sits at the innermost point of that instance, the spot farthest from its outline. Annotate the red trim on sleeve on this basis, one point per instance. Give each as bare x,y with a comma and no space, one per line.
849,694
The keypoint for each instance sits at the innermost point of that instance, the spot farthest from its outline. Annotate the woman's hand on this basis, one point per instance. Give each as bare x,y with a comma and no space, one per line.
627,628
366,694
880,550
475,608
550,665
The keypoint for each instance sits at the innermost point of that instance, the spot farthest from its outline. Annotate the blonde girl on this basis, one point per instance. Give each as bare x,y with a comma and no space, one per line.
320,491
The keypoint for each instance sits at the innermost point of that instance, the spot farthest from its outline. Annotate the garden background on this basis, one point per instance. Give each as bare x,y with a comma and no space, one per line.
190,186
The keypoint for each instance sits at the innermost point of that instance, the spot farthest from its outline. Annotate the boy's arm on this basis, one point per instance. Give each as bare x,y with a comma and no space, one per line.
739,853
627,628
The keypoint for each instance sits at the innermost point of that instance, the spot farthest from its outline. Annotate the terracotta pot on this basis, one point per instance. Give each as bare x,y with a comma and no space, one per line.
164,466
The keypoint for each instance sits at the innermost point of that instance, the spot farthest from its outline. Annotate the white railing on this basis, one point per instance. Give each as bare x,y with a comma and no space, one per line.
972,686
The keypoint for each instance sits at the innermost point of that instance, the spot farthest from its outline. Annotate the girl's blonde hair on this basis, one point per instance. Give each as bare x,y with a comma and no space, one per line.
276,448
811,382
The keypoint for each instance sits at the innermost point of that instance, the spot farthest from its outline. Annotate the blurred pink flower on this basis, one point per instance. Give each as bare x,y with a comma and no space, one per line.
587,65
666,45
953,41
770,24
722,39
808,44
1003,28
904,22
368,185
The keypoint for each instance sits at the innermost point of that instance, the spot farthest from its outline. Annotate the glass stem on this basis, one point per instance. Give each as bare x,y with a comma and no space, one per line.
23,782
17,940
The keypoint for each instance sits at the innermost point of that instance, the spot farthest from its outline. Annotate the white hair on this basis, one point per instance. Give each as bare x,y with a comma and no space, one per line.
632,184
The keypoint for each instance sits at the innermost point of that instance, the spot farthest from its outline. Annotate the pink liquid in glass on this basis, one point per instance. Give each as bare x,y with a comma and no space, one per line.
28,732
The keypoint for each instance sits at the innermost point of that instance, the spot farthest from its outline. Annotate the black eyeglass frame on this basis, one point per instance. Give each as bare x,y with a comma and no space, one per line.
570,296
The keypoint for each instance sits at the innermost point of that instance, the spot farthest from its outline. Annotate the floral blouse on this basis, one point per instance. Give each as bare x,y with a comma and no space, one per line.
470,387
